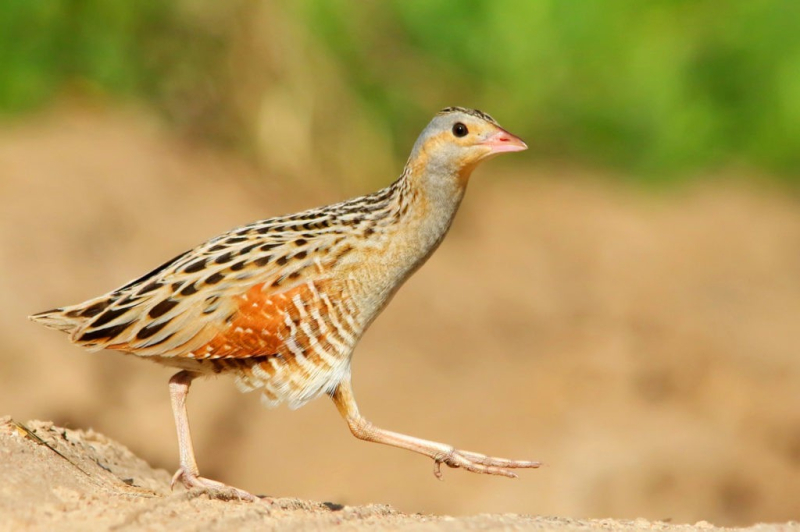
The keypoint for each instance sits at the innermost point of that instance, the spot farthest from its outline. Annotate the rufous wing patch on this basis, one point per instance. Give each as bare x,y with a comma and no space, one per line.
262,324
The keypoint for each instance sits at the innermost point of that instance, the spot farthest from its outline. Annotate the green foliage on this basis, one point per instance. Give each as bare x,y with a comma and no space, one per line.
45,44
95,47
658,88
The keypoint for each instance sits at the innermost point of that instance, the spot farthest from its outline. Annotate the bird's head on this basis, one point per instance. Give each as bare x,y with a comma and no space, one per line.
456,140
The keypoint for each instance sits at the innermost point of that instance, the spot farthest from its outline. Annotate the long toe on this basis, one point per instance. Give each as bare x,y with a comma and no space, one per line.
499,462
480,463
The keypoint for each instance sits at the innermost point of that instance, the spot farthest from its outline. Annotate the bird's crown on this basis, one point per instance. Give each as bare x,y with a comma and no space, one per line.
472,112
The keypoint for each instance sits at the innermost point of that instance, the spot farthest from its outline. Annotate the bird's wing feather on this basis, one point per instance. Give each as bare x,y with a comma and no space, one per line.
188,302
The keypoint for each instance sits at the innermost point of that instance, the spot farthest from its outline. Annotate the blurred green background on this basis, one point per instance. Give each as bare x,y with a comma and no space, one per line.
659,90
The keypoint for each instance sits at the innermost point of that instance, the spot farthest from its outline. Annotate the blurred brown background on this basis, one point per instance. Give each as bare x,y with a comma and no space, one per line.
621,302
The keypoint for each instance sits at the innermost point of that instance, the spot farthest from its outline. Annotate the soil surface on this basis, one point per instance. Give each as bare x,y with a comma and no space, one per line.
61,479
642,344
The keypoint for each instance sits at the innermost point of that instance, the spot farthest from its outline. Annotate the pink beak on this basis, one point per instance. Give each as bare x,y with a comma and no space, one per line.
503,141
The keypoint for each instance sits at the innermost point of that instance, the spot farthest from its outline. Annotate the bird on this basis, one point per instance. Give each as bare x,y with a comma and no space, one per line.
281,303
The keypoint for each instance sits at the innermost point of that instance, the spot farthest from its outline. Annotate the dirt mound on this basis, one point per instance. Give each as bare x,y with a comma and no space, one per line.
61,479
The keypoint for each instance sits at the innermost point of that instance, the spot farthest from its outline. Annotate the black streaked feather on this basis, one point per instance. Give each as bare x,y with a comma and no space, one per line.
94,310
150,330
109,315
162,308
108,332
153,273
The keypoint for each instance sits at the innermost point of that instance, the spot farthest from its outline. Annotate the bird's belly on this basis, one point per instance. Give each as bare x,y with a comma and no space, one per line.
277,377
291,380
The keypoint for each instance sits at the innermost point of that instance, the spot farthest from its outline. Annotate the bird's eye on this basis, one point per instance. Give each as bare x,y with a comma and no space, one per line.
460,130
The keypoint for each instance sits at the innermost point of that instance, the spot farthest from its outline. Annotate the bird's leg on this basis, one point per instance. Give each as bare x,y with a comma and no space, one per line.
188,473
439,452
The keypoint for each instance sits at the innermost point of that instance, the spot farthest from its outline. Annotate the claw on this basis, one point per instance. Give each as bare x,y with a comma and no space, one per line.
440,459
192,481
437,469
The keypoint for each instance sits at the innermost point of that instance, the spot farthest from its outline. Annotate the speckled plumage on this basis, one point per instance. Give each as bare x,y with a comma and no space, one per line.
257,301
281,303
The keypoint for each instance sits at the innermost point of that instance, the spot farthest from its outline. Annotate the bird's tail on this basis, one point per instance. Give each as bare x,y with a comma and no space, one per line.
68,319
56,319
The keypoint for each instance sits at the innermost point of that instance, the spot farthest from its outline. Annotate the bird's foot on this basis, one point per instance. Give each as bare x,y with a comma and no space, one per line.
212,488
480,463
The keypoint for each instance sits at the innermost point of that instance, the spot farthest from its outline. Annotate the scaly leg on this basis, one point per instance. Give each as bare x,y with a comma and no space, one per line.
439,452
188,473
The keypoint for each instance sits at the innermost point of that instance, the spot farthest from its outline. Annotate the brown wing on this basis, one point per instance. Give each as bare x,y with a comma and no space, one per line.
235,296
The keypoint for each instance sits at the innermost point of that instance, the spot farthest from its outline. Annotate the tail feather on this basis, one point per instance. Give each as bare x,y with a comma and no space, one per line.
68,319
56,319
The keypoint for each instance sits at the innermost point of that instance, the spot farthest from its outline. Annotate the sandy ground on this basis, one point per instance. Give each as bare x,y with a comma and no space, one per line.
61,479
642,344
